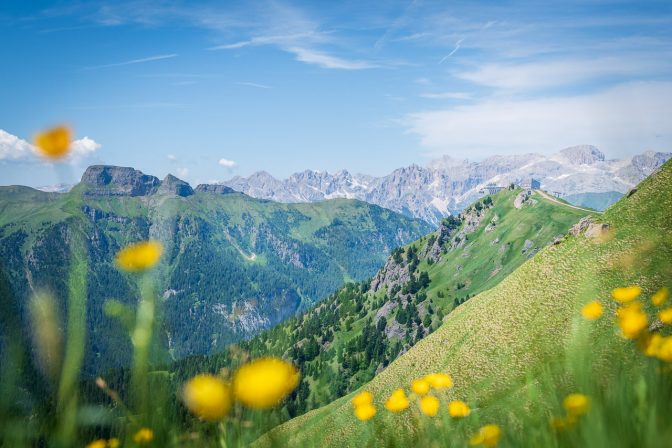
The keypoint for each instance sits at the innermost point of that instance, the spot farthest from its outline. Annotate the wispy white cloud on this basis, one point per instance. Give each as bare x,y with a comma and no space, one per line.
561,72
18,149
622,120
447,96
135,61
253,84
327,61
182,172
171,157
226,163
457,47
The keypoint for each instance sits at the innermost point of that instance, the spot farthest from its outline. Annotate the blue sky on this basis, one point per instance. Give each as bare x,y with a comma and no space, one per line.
180,86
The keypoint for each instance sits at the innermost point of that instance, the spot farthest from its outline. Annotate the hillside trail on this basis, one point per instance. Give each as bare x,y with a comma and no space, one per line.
552,199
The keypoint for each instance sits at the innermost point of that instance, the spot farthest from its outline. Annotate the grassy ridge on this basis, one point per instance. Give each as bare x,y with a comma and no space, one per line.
498,345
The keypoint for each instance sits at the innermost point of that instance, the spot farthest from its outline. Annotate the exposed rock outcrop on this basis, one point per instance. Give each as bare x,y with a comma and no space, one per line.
106,180
173,186
215,189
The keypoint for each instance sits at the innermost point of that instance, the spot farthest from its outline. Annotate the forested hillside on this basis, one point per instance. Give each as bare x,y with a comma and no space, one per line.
232,265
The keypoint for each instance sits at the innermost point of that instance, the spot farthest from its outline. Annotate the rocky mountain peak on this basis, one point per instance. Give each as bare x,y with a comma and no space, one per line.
173,186
582,155
108,180
215,189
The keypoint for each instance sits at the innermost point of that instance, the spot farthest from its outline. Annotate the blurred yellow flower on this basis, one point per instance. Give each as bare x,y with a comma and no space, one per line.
458,409
592,310
143,436
439,380
207,396
627,294
139,256
665,349
632,320
420,386
264,382
660,297
488,436
365,411
362,398
54,143
113,443
397,401
652,344
429,405
576,404
100,443
665,316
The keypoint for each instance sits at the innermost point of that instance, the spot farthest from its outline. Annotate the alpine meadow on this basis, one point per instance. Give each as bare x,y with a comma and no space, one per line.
283,223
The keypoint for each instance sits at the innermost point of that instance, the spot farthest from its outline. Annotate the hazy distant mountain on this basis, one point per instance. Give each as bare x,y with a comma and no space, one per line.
447,185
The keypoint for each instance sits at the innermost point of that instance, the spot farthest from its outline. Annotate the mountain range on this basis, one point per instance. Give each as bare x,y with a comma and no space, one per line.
232,266
446,186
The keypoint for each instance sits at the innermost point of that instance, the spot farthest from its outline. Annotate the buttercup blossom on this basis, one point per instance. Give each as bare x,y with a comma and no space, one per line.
429,405
458,409
627,294
652,344
264,382
660,297
207,396
420,387
439,380
665,316
592,310
665,349
54,143
140,256
488,436
576,404
397,401
365,411
632,320
362,398
143,436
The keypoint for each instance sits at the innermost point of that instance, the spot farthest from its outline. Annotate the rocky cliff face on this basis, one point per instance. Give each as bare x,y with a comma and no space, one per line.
105,180
214,188
447,185
174,186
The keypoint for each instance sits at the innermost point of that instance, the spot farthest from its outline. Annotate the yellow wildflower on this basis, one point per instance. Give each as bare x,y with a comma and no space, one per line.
665,349
139,256
592,310
458,409
143,436
660,297
264,382
652,344
439,380
632,320
113,443
365,411
420,386
54,143
429,405
397,401
665,316
207,396
488,436
362,398
627,294
100,443
576,404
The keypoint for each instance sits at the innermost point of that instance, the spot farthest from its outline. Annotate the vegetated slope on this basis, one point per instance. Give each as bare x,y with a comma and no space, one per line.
498,338
345,340
232,265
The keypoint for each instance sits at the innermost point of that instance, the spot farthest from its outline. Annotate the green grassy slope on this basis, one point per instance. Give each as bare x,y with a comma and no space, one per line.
341,343
512,332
